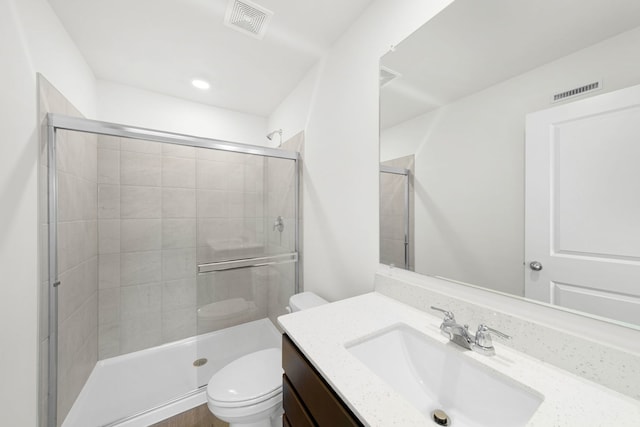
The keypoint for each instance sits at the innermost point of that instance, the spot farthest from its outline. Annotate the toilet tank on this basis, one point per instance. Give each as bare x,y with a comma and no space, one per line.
305,300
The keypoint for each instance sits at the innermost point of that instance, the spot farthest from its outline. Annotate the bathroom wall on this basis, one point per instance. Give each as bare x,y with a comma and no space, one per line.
292,115
341,149
119,103
490,207
31,40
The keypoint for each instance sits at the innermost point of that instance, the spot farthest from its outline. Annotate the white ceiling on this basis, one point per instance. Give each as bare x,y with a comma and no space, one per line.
473,45
161,45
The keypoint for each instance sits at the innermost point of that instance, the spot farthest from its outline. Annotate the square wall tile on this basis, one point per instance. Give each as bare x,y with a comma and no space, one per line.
235,177
77,285
77,242
235,204
178,203
211,175
108,166
140,332
140,299
140,267
178,324
108,201
140,169
137,235
140,146
109,271
179,294
108,236
178,172
106,142
108,340
212,203
212,230
178,264
140,202
109,306
176,150
178,233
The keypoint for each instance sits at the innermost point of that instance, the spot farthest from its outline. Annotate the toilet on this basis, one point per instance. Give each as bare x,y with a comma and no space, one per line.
248,391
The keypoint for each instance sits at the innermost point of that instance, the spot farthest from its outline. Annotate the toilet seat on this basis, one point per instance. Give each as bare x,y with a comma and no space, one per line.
247,381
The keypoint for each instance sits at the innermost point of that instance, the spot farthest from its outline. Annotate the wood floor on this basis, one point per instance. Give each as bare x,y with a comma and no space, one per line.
200,416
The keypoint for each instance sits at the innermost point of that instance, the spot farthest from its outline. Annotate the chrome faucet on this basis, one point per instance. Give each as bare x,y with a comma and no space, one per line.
480,342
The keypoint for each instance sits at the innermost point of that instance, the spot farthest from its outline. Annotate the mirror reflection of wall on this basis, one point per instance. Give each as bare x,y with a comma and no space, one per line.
457,99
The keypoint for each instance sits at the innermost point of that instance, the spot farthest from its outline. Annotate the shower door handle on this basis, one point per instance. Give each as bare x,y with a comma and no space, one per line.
248,262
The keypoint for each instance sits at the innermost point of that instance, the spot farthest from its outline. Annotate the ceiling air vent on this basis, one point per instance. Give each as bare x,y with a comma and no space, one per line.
387,75
577,91
247,17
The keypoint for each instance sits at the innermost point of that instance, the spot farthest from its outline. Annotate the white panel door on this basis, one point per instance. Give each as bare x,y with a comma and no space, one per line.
582,220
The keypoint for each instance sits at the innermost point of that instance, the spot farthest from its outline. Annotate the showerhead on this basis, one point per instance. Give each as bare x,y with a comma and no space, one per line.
271,134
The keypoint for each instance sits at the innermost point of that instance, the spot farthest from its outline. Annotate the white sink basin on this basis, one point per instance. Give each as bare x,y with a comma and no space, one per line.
432,376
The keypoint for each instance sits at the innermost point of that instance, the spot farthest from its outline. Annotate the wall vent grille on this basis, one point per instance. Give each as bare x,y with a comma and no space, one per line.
387,75
576,91
247,17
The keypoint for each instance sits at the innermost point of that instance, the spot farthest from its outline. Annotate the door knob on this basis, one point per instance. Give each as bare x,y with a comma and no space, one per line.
535,265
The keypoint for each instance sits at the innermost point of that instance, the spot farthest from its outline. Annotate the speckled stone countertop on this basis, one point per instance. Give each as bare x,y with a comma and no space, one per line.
321,333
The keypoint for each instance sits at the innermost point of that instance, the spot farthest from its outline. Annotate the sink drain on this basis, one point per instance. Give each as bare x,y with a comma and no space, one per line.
440,417
200,362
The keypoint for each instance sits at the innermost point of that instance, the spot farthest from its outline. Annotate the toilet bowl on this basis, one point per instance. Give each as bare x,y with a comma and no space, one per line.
248,391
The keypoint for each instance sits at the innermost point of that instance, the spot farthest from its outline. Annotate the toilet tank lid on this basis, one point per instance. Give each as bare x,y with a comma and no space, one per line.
305,300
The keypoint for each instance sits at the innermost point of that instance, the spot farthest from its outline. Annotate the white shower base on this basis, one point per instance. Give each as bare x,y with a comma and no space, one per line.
142,388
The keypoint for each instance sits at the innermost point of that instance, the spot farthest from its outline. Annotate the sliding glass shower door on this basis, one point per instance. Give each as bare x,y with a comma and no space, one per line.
246,250
154,241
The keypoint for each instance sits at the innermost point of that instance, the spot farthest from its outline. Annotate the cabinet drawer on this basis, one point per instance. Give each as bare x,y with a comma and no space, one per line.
324,406
293,408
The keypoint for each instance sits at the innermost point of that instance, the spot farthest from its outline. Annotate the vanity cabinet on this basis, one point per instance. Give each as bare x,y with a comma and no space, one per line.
307,398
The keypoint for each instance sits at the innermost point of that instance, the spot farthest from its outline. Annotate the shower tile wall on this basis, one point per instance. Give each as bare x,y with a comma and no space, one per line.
146,229
392,211
230,201
77,264
77,256
152,198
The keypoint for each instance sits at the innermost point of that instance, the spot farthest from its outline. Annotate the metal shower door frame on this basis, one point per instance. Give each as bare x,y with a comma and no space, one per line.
56,122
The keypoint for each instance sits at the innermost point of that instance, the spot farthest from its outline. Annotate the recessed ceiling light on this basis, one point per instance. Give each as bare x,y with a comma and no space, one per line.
200,84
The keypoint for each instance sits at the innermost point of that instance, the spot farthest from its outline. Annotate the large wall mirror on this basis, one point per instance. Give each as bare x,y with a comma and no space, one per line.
510,151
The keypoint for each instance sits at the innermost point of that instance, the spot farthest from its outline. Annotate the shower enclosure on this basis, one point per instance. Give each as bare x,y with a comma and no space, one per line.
169,256
394,216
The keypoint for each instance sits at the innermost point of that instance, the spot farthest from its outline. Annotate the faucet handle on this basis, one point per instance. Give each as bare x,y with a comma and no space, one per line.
448,316
484,329
483,342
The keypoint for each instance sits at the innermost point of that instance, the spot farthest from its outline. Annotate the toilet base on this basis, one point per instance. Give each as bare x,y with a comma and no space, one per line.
269,415
274,421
